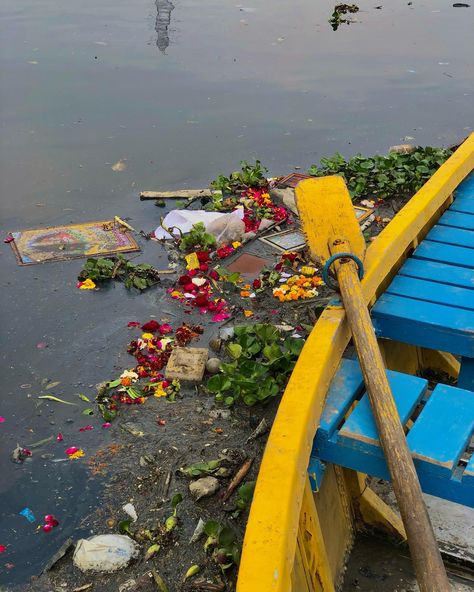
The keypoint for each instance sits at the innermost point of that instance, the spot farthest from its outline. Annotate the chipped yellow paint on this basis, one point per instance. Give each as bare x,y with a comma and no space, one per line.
271,537
325,209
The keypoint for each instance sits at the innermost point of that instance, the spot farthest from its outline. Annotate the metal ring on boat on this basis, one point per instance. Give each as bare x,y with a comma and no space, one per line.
328,280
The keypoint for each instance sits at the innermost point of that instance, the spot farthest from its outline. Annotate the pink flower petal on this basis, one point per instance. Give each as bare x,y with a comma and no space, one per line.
3,548
133,324
220,316
59,437
2,419
86,428
71,450
107,424
47,527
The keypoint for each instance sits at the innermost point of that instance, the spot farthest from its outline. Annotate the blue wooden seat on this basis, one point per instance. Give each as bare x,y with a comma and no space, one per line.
439,434
430,302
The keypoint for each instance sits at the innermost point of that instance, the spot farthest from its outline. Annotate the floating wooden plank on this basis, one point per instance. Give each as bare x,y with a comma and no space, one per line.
443,430
457,219
425,324
178,194
453,255
452,236
432,291
438,272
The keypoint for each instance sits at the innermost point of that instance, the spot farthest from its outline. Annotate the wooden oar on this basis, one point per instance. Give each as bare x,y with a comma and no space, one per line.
332,230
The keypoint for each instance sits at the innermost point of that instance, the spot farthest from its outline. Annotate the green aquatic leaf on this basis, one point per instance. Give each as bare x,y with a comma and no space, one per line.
84,398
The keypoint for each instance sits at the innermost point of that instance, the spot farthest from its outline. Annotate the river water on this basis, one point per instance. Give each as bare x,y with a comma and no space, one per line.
179,92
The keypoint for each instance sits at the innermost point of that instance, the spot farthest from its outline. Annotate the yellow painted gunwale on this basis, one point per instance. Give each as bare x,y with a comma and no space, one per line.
270,539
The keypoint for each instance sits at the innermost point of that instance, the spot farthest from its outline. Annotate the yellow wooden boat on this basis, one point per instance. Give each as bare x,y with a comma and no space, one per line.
299,536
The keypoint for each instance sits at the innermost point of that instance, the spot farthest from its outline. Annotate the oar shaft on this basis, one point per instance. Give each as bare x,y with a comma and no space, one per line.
429,568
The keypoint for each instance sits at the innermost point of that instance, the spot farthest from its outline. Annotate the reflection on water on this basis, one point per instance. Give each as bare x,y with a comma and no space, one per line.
163,19
82,88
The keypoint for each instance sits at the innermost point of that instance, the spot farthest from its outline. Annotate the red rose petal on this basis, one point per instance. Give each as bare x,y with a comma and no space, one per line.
151,326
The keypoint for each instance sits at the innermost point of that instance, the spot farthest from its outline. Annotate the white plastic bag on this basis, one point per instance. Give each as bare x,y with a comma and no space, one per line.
104,552
227,229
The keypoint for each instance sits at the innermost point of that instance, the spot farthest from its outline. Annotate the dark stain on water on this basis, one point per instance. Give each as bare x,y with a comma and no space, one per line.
180,91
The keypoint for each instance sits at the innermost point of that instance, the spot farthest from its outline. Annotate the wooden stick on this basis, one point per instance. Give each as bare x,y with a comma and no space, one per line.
244,469
429,568
177,194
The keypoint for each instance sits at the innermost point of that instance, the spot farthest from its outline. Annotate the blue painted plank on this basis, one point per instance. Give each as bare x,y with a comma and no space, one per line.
466,187
452,236
438,272
425,324
407,392
466,374
468,476
443,429
346,385
427,291
463,204
457,219
375,465
445,254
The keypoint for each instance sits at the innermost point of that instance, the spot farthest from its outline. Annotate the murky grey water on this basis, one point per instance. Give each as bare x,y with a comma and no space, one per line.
181,92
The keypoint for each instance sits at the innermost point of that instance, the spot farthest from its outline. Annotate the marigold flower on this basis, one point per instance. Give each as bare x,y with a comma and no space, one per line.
75,453
88,284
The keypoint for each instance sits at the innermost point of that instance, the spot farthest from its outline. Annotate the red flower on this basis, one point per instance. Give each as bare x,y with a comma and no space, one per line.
192,272
183,280
50,519
202,256
165,329
151,326
224,252
133,324
256,284
165,384
201,300
213,274
190,288
204,267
